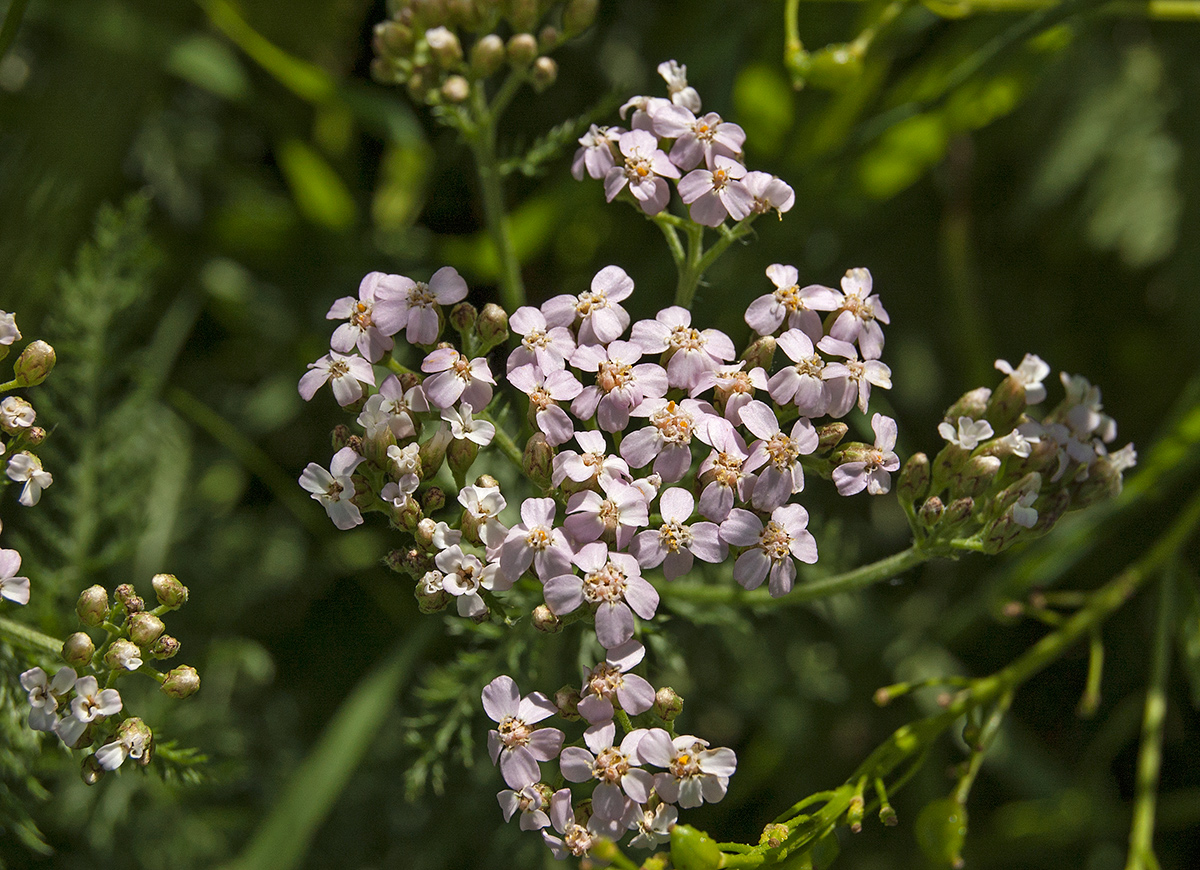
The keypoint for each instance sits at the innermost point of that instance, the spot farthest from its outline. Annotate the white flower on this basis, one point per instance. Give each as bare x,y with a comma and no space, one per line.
464,426
16,413
44,695
1030,374
8,328
27,468
334,489
678,89
465,577
516,745
968,433
90,703
346,374
12,587
695,773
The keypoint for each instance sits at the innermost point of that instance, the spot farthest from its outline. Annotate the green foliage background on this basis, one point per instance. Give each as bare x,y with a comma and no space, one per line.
178,210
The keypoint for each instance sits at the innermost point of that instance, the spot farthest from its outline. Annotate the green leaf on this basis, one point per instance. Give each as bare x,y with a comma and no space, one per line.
320,194
209,64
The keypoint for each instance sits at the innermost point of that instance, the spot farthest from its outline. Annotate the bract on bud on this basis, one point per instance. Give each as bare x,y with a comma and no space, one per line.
34,364
92,606
667,704
760,352
914,479
521,50
456,89
169,591
181,682
460,454
544,620
958,511
463,317
144,628
91,771
931,512
830,436
123,655
487,55
433,500
579,15
491,327
129,599
364,498
567,701
973,404
78,649
538,459
424,532
165,647
545,71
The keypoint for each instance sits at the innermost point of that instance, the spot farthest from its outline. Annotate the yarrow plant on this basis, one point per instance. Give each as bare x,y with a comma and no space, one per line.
642,448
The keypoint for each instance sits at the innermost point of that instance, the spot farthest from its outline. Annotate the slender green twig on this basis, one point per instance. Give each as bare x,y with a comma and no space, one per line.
30,638
1141,833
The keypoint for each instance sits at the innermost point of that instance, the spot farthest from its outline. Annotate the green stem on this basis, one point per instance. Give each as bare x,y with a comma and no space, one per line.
1166,10
698,261
22,635
668,223
502,440
867,575
1141,834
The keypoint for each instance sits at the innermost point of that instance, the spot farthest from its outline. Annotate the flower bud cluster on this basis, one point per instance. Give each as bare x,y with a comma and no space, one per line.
669,137
636,785
1005,476
17,434
441,49
94,716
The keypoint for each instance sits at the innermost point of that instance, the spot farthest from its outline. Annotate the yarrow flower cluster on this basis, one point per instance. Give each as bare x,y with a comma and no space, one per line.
671,139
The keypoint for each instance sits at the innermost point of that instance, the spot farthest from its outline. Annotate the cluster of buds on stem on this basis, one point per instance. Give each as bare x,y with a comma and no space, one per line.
442,50
1004,475
80,704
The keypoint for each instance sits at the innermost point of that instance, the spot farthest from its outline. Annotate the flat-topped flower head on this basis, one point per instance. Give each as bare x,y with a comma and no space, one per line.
677,541
597,152
860,314
456,377
370,321
1030,374
873,471
694,773
346,375
770,548
609,684
417,302
644,170
596,312
334,489
515,744
12,587
613,583
798,305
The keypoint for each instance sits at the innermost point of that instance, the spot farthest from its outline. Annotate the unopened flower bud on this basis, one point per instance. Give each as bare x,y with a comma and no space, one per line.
18,415
144,628
486,481
833,67
92,606
392,38
760,352
129,599
463,317
524,14
91,771
1051,508
521,50
169,591
137,734
181,682
430,593
947,466
931,512
579,15
34,364
433,500
456,89
460,454
364,498
538,459
487,55
914,479
35,435
424,532
340,437
545,71
958,511
978,475
492,326
548,38
408,515
78,649
1007,404
567,701
1104,481
973,404
433,452
830,436
165,647
667,704
123,655
444,46
545,621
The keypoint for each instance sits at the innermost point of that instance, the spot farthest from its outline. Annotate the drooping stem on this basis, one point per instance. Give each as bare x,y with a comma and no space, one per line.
1141,833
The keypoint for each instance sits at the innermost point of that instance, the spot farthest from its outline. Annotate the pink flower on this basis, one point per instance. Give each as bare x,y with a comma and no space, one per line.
717,193
417,302
334,489
615,768
545,391
547,347
858,377
872,472
600,317
615,516
611,681
529,801
698,140
668,439
620,384
798,305
677,542
770,548
694,773
693,352
371,321
613,583
769,192
681,94
782,475
803,383
860,314
392,408
535,541
724,476
644,170
516,745
595,154
465,577
12,587
733,387
593,465
457,377
346,375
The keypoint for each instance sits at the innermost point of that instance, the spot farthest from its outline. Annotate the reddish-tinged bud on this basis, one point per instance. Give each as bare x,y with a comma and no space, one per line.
181,682
958,511
463,317
545,621
931,512
433,500
169,591
340,437
538,460
129,599
35,435
165,647
78,649
667,704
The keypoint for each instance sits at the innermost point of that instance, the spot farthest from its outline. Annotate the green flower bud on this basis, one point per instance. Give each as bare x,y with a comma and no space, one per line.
34,364
129,599
409,515
181,682
91,771
760,352
144,628
35,435
538,460
165,647
169,591
931,512
364,497
548,38
958,511
545,621
1006,405
123,655
92,606
487,482
833,67
977,476
579,15
433,500
463,317
456,89
567,701
521,50
487,55
667,704
523,14
491,327
973,404
78,649
433,452
340,437
444,46
830,436
545,71
392,38
692,848
460,454
914,479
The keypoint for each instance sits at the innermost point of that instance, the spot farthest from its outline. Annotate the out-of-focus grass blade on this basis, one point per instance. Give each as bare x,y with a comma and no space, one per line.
283,838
